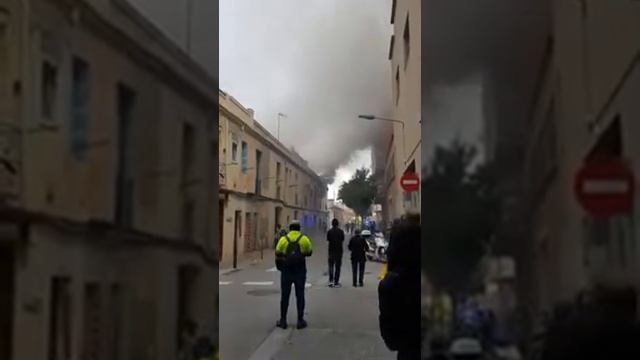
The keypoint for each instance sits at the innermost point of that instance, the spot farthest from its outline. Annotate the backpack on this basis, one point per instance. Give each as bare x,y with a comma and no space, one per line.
294,257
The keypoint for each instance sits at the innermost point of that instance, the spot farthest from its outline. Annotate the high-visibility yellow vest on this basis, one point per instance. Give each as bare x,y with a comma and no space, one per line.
383,272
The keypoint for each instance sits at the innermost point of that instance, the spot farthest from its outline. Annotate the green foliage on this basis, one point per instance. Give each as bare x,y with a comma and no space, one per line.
459,216
359,192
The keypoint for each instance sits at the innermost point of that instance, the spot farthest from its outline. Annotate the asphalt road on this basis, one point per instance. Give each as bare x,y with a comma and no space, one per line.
343,322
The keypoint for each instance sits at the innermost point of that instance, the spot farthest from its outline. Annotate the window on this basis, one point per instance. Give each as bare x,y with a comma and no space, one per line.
397,85
124,177
234,152
406,36
80,107
188,151
244,158
48,90
295,215
296,198
188,210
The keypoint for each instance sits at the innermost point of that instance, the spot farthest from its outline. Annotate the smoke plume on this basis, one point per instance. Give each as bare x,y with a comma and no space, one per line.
321,64
467,46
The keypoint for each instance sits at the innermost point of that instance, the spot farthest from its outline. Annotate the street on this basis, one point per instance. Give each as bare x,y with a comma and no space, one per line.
343,322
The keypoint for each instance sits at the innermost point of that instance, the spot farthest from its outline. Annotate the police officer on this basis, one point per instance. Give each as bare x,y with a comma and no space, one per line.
291,253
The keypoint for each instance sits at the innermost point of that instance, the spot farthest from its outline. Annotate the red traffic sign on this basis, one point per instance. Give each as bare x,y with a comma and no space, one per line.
605,187
410,182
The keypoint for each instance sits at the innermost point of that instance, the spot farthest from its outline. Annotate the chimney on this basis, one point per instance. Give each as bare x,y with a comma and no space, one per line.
251,112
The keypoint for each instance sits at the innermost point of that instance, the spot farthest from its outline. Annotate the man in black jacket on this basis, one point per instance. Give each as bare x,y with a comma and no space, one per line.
358,247
399,292
335,237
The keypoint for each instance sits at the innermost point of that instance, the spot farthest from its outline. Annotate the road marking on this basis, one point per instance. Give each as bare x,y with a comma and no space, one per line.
307,285
273,269
225,282
258,283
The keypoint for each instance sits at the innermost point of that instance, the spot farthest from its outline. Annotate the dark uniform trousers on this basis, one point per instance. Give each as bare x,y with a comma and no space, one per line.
297,279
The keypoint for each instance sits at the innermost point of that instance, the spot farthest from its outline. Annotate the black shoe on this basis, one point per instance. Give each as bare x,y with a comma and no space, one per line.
331,285
302,324
282,324
355,285
361,285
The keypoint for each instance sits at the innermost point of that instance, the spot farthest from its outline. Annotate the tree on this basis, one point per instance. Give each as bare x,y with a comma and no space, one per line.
460,212
359,192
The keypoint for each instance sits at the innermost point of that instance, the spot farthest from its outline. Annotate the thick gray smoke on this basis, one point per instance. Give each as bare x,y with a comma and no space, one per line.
321,63
467,46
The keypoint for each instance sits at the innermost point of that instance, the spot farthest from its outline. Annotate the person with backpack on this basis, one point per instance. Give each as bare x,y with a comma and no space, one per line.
399,293
291,253
335,237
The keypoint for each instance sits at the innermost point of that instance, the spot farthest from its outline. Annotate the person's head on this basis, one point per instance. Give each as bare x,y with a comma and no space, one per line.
294,226
335,223
357,232
404,244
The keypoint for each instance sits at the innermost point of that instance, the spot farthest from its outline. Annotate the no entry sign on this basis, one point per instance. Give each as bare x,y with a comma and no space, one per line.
605,187
410,182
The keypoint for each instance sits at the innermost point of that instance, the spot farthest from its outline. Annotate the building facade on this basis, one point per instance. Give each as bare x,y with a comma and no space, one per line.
584,108
262,185
339,211
399,150
107,201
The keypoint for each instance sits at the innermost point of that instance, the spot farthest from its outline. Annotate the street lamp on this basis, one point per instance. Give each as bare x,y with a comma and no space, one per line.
373,117
280,115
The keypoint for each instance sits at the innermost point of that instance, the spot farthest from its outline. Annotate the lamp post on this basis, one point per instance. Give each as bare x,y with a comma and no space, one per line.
373,117
280,115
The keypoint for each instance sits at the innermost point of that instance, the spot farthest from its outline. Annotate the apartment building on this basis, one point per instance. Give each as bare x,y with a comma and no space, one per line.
107,233
401,145
262,184
585,107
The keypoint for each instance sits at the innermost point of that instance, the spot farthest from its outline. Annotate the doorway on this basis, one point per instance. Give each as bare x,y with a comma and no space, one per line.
278,219
237,232
6,300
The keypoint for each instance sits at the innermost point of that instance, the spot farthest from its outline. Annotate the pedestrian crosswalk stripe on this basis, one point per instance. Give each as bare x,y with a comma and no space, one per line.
272,269
224,283
307,285
258,283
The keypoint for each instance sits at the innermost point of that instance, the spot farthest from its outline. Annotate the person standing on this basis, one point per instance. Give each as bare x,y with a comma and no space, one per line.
399,292
335,237
358,248
291,253
280,232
